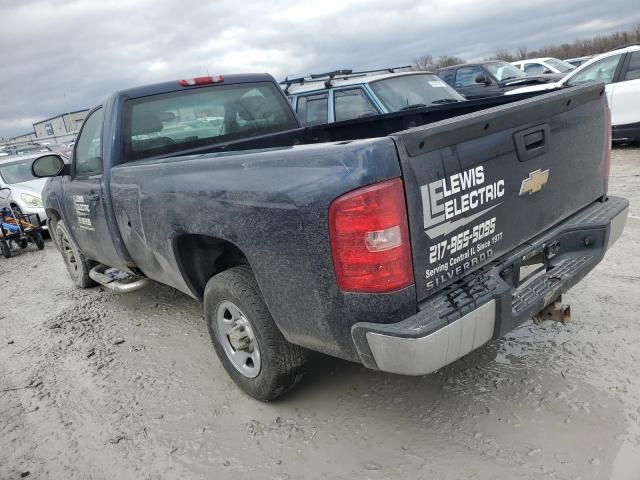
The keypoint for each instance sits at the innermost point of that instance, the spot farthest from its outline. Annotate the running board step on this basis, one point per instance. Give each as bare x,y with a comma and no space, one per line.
117,280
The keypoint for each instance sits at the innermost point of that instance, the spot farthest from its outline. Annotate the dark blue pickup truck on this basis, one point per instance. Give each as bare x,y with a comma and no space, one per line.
401,241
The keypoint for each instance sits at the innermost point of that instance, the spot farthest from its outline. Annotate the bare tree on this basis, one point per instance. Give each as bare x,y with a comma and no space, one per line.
503,54
578,48
522,53
424,63
448,60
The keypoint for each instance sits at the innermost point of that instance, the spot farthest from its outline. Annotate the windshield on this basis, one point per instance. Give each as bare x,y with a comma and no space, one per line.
560,65
180,121
17,172
398,93
504,71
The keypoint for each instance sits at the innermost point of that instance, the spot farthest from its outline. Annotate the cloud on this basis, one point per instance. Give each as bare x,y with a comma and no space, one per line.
67,55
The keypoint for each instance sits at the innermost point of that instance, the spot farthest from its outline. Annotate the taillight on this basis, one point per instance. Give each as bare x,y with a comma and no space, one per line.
607,150
190,82
370,239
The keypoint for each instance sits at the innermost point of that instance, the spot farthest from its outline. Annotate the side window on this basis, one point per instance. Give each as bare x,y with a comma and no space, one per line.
448,76
535,68
600,71
313,109
633,71
88,153
352,103
466,76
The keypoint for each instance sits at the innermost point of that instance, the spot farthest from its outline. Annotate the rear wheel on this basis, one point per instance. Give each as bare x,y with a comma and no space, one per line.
5,251
77,265
39,240
251,348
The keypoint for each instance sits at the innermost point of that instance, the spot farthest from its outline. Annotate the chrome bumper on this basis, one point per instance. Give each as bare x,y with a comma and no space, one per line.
425,342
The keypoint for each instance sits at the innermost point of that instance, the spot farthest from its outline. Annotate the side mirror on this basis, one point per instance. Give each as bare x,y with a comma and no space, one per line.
482,78
546,70
50,165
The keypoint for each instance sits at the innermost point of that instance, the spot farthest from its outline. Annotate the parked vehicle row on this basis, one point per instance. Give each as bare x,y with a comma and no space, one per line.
394,240
620,71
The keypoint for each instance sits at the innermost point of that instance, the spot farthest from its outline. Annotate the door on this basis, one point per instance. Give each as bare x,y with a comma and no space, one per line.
466,84
313,109
625,95
83,194
352,103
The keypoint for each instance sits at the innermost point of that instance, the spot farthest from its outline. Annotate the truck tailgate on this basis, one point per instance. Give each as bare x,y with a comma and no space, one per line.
480,185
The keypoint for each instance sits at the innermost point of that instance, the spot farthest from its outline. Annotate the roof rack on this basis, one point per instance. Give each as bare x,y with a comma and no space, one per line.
343,74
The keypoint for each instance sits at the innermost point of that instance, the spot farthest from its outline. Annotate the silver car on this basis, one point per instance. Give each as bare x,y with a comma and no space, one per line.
26,190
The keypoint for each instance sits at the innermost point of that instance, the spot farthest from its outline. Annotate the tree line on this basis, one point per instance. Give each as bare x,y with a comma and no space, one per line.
578,48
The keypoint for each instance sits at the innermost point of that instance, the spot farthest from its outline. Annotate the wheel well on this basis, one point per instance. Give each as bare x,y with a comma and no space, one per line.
200,257
53,217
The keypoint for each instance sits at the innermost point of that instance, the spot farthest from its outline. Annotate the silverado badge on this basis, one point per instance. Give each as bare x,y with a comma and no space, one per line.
534,182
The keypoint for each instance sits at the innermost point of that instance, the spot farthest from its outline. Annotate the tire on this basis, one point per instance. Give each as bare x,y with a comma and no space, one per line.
281,364
5,251
39,240
77,265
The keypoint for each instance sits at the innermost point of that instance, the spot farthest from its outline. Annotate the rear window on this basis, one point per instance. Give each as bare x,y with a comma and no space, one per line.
180,121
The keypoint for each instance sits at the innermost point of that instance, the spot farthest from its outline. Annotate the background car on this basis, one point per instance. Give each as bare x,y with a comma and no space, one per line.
620,71
545,65
26,190
488,79
576,62
345,95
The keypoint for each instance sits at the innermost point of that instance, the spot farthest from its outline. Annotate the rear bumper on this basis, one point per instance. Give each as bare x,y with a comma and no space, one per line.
490,302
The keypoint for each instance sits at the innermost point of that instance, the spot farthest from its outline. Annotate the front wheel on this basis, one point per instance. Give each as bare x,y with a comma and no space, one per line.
252,350
77,266
5,251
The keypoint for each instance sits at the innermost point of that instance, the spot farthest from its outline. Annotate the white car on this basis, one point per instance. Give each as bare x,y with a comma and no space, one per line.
620,71
540,66
26,190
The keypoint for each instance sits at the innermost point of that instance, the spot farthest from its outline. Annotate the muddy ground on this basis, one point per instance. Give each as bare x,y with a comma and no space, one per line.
99,386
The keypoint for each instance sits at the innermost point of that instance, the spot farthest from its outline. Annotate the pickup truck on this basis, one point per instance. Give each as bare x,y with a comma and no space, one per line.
402,241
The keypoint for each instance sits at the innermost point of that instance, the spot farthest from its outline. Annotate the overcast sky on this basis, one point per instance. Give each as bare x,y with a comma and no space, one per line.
62,55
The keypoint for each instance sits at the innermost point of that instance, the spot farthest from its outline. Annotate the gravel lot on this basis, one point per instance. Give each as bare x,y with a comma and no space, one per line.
96,386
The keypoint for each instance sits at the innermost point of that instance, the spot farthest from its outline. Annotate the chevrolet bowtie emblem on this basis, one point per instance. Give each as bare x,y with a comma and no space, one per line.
534,182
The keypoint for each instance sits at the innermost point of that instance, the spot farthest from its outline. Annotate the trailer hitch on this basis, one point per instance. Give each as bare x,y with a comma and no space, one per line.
556,311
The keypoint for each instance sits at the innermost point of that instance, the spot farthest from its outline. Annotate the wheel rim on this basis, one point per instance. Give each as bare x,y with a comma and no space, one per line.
68,255
237,338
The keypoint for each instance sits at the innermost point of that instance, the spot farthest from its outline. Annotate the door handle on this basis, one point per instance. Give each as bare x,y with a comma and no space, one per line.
534,139
532,142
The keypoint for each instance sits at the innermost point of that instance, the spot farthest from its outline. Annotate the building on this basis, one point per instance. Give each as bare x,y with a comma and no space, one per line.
27,137
60,125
